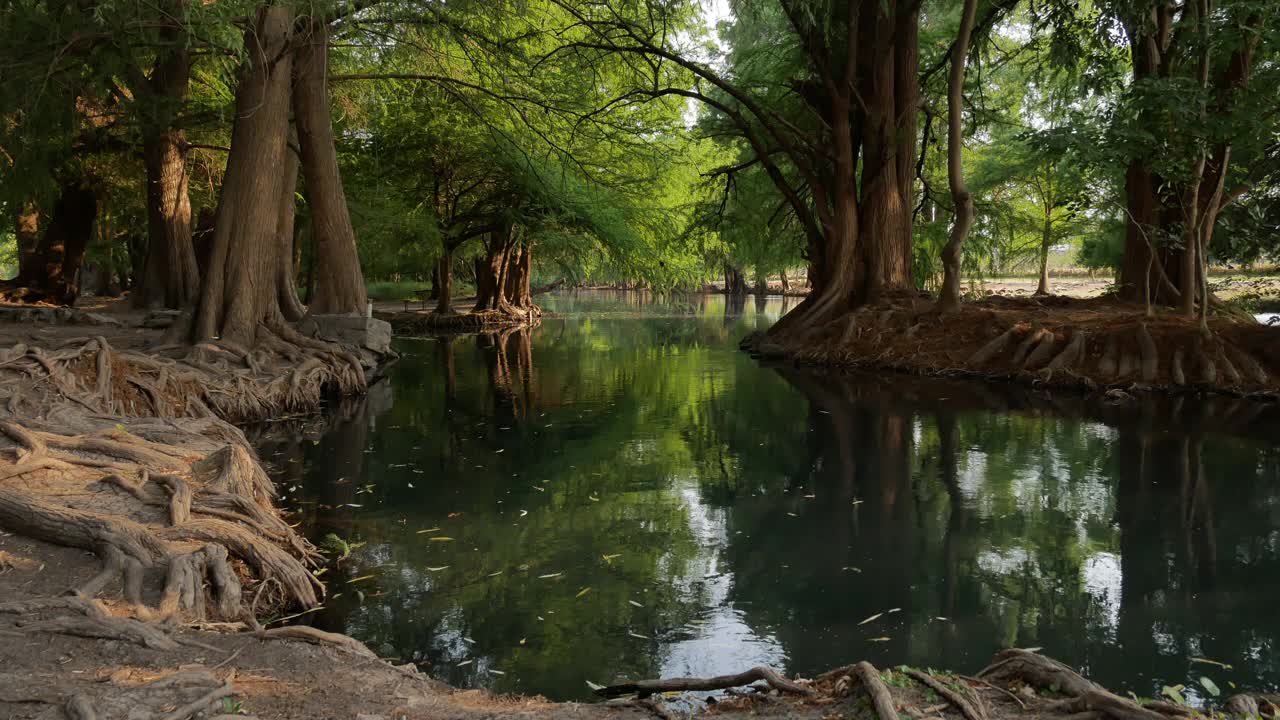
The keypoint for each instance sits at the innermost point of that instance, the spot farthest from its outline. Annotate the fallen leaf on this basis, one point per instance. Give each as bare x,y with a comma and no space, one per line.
464,663
594,686
428,530
637,635
1211,686
522,640
455,514
495,574
792,514
894,610
610,558
850,567
441,539
633,602
882,638
438,569
550,575
362,577
523,513
582,592
873,617
355,505
496,672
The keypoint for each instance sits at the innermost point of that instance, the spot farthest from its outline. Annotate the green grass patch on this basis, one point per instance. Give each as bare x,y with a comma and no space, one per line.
392,291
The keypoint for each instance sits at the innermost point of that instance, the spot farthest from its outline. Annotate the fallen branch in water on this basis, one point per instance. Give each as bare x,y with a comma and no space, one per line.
645,688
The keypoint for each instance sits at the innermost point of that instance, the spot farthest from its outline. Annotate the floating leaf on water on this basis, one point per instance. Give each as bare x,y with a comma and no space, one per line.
850,567
540,618
637,635
496,672
1174,693
548,576
857,502
873,617
792,514
428,530
893,610
610,558
810,497
523,513
582,592
495,574
410,485
1233,685
539,489
468,641
1211,686
1207,661
594,686
522,640
593,498
362,577
882,638
438,569
441,538
464,663
455,514
354,505
939,617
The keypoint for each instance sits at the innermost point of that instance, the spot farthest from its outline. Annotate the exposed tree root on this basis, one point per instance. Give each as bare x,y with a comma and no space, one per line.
968,709
645,688
318,637
1065,343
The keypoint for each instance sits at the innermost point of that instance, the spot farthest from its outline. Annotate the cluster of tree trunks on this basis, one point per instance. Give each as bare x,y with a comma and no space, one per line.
50,262
1170,224
244,275
502,273
734,282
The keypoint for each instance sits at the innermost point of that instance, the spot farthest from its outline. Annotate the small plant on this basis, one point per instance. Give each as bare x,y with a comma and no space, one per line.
232,706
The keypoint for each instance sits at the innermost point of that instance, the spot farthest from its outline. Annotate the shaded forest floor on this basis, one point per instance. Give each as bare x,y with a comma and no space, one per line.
1094,343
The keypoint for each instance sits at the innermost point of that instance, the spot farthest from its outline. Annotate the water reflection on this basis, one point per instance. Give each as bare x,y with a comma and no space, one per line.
625,495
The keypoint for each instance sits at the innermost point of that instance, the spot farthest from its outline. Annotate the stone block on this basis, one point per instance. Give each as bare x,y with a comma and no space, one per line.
365,332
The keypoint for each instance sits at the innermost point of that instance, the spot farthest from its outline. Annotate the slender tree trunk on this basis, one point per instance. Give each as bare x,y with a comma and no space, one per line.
286,283
26,230
1046,239
171,276
339,282
954,249
240,291
786,287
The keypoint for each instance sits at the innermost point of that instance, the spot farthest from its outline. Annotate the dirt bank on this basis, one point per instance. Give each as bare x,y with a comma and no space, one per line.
1052,342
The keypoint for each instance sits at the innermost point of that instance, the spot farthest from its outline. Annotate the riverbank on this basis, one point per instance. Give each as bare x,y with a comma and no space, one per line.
1058,342
166,527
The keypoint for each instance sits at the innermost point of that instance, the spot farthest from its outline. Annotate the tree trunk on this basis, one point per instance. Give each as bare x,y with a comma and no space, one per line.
954,249
240,289
26,230
170,276
286,282
434,292
53,268
1046,239
444,304
786,288
491,269
339,282
519,292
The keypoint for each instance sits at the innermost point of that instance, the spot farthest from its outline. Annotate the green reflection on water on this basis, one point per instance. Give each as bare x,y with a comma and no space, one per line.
760,515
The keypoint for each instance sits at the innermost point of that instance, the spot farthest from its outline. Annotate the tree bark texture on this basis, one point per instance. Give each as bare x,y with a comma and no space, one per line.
240,288
339,282
52,269
170,276
26,229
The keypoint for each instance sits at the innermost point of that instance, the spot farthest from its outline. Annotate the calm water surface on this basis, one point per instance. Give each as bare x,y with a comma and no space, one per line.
624,494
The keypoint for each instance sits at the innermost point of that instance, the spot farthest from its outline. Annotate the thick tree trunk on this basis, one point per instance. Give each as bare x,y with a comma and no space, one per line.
339,282
444,270
953,251
519,292
734,283
240,289
171,276
491,269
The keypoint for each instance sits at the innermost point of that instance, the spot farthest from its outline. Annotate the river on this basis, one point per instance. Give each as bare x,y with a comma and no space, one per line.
620,493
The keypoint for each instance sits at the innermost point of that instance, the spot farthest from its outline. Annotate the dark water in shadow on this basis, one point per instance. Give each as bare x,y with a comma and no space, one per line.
627,495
